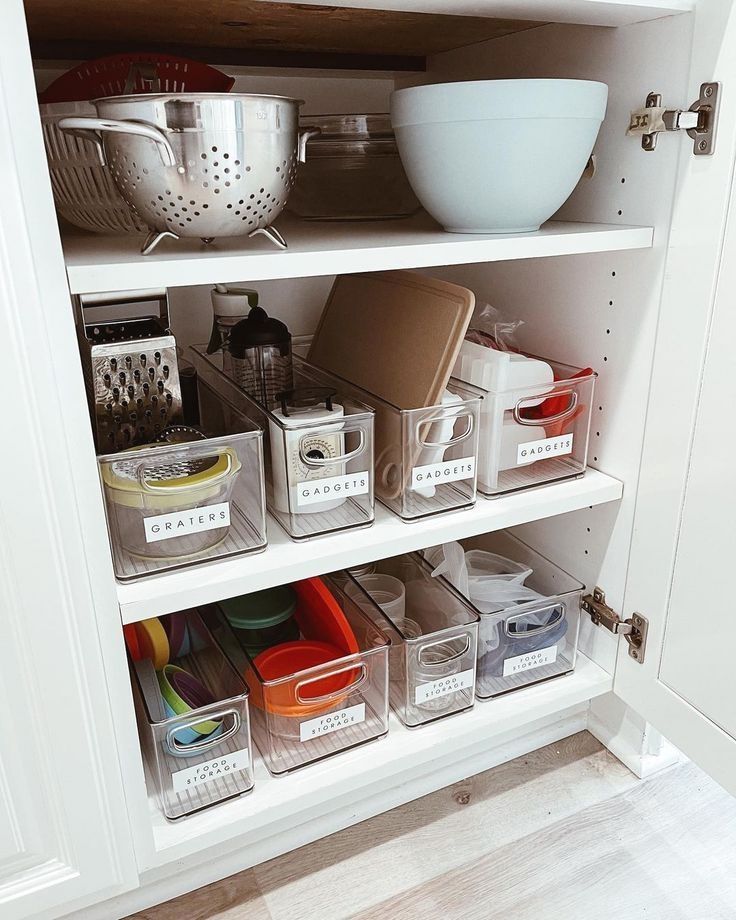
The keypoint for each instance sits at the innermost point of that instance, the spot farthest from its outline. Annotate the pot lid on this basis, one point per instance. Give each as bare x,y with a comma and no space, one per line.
260,609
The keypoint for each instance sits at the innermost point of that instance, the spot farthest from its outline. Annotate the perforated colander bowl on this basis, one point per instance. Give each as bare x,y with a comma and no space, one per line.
200,165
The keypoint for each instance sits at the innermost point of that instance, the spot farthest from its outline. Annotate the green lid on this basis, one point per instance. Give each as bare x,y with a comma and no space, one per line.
261,608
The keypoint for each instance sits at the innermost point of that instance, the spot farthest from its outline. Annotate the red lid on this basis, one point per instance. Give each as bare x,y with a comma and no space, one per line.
131,640
320,616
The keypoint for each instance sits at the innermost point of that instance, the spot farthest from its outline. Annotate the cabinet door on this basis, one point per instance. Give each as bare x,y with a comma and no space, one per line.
682,560
64,833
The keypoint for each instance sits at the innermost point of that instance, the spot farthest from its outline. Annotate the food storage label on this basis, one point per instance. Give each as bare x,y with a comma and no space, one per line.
434,474
332,722
181,523
219,768
442,686
535,659
328,489
543,449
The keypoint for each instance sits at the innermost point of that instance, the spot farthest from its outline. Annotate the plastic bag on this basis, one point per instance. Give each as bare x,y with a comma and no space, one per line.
491,328
485,566
448,559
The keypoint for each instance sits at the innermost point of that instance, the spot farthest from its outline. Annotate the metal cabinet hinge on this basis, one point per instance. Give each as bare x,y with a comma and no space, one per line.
700,120
634,630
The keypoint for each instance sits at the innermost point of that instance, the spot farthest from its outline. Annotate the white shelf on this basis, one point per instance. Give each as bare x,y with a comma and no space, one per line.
285,812
103,263
583,12
285,560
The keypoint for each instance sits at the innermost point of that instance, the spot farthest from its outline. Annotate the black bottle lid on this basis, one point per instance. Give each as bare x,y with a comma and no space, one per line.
257,330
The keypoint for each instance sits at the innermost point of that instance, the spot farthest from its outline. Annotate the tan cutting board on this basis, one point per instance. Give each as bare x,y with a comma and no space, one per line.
395,334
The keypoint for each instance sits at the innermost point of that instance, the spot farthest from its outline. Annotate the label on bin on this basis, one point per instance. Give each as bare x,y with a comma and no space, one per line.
181,523
463,680
434,474
535,659
543,449
219,768
328,489
332,722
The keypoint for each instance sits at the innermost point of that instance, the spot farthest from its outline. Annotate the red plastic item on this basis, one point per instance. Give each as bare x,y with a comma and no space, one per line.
108,76
131,640
320,617
289,658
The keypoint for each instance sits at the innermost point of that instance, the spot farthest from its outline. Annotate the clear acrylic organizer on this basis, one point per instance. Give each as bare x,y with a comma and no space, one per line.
434,637
319,475
425,459
320,711
534,435
530,642
173,505
203,756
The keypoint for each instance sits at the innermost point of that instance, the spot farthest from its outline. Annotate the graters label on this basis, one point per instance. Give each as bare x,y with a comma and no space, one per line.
434,474
530,661
180,523
544,448
442,686
312,491
219,768
332,722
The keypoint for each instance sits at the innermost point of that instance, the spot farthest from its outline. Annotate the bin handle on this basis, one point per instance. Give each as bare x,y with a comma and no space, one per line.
329,461
535,630
337,694
441,418
549,419
450,658
177,748
186,487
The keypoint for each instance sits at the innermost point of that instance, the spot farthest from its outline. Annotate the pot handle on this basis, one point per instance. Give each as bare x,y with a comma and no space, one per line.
91,130
305,136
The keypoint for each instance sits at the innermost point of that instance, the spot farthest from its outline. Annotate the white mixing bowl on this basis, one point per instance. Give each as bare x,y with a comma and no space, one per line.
496,156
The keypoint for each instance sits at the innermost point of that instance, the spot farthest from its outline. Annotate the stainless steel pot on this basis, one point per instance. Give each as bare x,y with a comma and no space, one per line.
200,164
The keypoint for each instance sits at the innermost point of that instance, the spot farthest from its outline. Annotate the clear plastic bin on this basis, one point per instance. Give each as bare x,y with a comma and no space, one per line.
319,711
171,505
434,637
203,756
319,475
425,459
528,642
534,434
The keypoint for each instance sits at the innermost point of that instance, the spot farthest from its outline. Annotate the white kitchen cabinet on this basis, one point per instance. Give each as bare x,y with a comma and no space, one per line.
632,277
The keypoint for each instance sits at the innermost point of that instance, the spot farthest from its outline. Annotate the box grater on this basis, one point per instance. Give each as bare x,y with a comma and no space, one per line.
130,363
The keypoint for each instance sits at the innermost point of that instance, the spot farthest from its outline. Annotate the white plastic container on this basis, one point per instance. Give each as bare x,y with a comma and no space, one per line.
496,156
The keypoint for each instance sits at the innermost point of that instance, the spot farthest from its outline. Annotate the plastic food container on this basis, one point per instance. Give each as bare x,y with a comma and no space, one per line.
200,755
263,618
425,459
532,433
319,450
328,704
353,171
174,504
528,642
496,156
433,641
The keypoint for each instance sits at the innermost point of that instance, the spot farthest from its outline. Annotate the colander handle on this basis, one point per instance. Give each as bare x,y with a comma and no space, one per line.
91,129
168,489
305,136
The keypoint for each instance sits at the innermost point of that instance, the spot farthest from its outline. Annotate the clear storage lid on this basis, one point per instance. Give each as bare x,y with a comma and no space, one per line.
351,135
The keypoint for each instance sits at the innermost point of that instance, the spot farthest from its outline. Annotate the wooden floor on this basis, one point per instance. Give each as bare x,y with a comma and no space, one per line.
565,833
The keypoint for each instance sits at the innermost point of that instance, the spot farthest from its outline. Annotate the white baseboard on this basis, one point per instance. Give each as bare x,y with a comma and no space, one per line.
629,738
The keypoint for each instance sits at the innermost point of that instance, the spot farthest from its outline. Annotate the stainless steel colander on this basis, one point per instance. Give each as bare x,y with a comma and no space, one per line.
200,165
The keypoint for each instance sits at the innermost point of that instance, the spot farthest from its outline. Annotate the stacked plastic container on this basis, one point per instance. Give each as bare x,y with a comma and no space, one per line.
433,632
